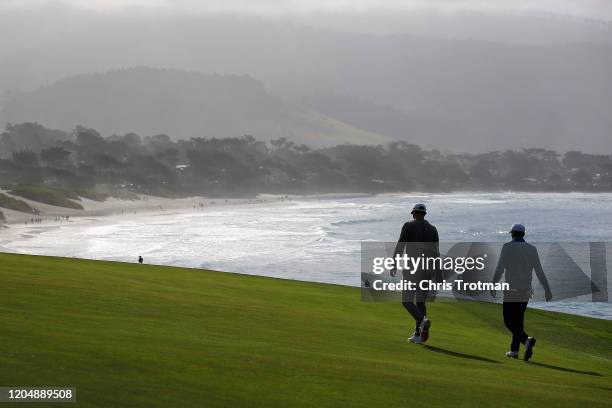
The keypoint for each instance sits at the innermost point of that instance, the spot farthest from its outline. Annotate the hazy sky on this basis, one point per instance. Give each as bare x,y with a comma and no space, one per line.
597,9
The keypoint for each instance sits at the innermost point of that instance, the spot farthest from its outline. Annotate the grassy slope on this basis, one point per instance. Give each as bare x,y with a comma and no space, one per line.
316,129
14,204
131,335
44,195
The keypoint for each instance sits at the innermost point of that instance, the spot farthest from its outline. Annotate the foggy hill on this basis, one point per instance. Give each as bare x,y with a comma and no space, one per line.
180,104
411,127
471,92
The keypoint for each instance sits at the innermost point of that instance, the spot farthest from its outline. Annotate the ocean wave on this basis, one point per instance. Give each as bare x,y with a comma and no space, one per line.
355,222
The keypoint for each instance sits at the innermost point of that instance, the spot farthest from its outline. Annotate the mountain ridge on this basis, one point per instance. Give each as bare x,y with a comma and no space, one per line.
182,104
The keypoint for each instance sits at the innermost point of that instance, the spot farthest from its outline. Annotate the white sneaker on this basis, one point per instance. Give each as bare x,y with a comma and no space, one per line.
415,339
512,354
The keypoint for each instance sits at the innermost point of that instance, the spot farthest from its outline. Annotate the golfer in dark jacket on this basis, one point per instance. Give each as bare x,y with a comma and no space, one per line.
418,238
518,260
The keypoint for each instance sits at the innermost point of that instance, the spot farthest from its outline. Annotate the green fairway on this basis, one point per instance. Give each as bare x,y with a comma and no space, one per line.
128,335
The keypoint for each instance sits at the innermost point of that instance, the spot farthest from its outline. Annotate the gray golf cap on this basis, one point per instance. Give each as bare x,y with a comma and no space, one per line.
419,208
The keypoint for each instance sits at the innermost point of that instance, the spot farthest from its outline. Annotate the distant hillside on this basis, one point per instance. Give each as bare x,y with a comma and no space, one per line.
178,103
411,127
493,94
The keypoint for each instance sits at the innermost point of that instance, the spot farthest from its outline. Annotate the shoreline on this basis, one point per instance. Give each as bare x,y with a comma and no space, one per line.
19,225
146,204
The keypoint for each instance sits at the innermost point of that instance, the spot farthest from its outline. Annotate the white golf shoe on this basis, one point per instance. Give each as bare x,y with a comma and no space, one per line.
416,339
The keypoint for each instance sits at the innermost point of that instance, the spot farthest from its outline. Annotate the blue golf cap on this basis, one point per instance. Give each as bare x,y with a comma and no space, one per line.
518,228
419,208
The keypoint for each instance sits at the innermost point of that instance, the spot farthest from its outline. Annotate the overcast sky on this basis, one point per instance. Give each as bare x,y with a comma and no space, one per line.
596,9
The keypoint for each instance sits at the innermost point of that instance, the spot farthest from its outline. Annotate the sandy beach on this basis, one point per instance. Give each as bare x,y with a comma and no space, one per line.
19,225
113,206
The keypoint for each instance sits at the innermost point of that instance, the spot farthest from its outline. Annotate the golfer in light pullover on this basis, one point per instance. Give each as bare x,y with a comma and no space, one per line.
518,260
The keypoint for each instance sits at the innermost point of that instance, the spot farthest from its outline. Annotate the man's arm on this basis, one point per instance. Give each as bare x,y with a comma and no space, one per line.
537,266
499,271
436,245
401,242
438,273
400,246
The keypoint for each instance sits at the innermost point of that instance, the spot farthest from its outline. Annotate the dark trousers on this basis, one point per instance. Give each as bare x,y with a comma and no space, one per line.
414,300
417,309
514,317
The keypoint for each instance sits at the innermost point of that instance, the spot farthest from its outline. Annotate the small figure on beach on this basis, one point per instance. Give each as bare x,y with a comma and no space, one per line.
140,259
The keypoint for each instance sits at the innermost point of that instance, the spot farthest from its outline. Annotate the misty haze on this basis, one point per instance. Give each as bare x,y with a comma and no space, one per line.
461,82
205,203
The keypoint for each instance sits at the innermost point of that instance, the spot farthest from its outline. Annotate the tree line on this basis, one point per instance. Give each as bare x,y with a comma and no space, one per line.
31,154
